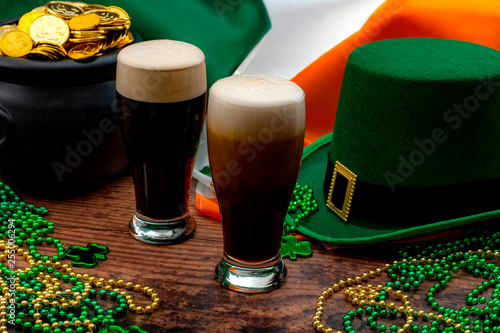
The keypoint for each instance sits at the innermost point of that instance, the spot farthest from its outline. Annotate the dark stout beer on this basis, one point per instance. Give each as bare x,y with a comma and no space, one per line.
254,200
161,140
161,89
255,133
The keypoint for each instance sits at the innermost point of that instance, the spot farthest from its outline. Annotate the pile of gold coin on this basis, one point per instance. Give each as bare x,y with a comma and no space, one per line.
62,29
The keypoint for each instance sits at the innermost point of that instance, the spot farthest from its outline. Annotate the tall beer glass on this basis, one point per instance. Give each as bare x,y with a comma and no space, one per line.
255,133
161,89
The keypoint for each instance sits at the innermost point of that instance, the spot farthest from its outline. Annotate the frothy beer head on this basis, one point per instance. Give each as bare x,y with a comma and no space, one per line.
244,103
161,71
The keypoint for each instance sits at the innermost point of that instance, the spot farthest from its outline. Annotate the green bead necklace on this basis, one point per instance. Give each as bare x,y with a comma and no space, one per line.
302,205
48,296
473,253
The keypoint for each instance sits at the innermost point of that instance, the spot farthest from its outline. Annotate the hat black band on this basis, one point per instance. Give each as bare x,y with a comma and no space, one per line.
418,205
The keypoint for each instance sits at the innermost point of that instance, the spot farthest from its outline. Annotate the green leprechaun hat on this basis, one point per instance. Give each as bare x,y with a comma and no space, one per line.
416,143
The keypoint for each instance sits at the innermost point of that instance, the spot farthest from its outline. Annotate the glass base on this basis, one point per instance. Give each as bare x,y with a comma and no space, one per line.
162,232
252,278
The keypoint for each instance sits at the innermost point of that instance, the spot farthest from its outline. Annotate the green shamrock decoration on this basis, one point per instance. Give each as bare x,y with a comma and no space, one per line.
118,329
292,248
206,171
86,256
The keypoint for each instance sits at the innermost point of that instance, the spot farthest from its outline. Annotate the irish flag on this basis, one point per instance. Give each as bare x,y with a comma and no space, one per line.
309,42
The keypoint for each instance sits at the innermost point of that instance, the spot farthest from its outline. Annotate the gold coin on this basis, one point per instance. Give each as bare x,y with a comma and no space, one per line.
124,17
118,23
123,14
16,43
84,50
5,28
127,39
26,20
50,31
87,39
107,28
112,39
106,16
87,33
49,28
47,51
84,22
79,4
53,48
40,9
91,7
121,21
63,9
39,54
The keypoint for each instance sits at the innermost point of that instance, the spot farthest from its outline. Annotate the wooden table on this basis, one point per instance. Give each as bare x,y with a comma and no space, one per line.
183,274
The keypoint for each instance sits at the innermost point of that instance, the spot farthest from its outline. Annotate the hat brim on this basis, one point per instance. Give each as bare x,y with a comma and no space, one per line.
324,225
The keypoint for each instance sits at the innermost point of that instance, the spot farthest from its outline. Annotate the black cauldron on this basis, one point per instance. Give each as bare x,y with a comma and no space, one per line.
58,121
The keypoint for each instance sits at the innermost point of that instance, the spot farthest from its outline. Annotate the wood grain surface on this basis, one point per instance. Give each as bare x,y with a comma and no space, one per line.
183,274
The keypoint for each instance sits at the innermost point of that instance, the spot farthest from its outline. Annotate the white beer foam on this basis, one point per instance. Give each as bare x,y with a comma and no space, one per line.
256,91
161,71
241,104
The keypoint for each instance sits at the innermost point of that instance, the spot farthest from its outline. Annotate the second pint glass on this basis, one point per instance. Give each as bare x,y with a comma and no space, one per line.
255,132
161,88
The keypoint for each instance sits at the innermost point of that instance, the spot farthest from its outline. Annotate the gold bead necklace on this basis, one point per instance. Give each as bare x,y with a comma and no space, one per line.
371,299
37,291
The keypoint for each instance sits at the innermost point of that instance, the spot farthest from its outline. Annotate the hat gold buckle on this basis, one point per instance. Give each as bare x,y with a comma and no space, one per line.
341,191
